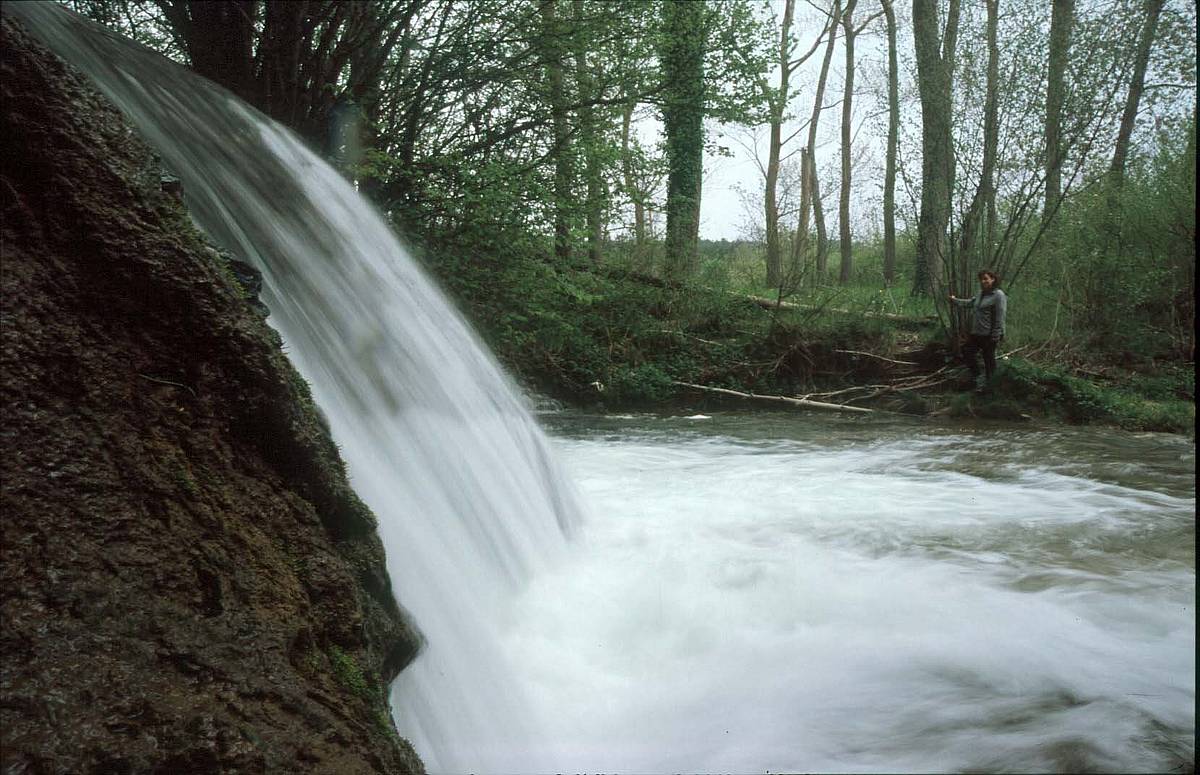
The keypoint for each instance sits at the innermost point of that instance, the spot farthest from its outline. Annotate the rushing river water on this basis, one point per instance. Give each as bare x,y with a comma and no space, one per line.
774,592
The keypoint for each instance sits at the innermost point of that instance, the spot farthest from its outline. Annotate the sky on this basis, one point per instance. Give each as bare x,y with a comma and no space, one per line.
722,212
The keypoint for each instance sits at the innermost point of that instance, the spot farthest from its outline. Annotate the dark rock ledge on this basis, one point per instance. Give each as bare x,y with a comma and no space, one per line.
187,582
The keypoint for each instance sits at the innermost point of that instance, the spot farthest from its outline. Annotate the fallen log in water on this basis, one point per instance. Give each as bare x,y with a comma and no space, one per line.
800,402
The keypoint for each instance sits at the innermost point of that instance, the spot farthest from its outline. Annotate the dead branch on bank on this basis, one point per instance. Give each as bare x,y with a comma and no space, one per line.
917,382
880,357
767,303
801,402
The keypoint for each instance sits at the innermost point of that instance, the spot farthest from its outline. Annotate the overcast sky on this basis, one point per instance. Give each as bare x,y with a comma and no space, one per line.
723,214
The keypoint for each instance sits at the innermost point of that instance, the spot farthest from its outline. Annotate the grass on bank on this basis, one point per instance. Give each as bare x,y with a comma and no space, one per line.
1022,388
617,335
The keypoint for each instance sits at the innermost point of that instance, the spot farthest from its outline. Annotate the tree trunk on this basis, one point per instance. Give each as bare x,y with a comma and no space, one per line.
594,204
631,185
935,68
1061,21
771,207
682,59
889,175
219,38
981,203
278,84
560,152
777,106
819,220
809,196
800,243
847,115
1132,99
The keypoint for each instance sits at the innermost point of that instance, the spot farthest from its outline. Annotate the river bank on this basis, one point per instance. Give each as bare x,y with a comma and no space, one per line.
614,339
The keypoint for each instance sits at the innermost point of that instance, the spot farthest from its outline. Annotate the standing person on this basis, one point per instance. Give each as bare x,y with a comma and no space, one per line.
987,326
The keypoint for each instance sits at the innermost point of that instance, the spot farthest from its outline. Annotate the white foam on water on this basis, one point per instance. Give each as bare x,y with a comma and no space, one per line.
778,607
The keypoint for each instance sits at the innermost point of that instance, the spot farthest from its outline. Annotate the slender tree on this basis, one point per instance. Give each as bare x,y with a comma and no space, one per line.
818,210
889,175
978,223
1062,18
849,33
810,197
554,35
1133,97
635,192
777,104
935,66
588,121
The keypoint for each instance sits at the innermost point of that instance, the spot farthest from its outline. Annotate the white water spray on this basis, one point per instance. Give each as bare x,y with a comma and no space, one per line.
437,441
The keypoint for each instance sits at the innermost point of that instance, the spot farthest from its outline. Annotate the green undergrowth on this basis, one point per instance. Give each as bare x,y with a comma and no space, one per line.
1163,402
607,335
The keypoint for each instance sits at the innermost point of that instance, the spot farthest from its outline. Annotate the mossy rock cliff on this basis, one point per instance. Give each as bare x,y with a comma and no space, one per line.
187,581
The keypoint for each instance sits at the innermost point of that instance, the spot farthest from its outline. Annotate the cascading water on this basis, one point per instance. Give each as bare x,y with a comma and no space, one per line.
437,441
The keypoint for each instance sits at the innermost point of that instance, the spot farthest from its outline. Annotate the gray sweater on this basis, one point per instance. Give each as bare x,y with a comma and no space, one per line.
989,313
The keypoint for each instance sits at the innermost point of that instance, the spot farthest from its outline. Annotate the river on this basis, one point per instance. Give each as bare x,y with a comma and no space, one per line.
779,592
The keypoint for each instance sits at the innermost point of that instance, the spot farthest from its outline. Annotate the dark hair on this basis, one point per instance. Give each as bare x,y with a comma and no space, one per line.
995,277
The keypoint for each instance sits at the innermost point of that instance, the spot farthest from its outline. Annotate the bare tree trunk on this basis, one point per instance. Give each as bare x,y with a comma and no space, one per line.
889,175
558,117
1133,98
847,114
631,184
1061,20
594,204
982,201
777,107
819,221
935,68
800,243
809,197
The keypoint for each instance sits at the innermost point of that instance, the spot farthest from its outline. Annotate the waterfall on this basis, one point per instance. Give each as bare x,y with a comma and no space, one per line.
437,440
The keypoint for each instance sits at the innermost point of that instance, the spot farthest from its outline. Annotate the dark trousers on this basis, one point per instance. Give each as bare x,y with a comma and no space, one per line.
980,345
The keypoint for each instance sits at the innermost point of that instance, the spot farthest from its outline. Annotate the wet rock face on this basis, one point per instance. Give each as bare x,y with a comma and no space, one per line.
187,582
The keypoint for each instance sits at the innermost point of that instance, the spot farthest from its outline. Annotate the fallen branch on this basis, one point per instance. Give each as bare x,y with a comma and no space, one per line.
922,385
767,303
689,336
880,357
778,399
832,393
903,384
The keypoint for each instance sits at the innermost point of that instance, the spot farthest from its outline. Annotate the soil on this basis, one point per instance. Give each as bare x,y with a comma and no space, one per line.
188,583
